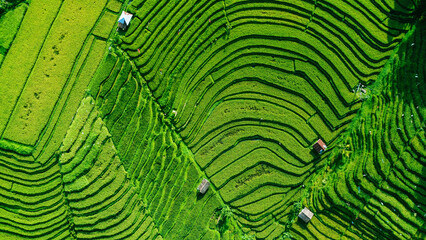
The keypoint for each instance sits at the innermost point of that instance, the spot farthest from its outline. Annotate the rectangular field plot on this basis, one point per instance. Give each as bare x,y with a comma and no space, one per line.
48,76
17,66
9,26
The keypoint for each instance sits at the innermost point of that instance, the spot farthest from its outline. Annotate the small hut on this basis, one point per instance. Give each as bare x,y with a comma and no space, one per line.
124,20
306,215
320,146
204,185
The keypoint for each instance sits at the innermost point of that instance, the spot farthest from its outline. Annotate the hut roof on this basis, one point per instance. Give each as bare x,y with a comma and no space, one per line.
125,18
204,185
306,215
320,146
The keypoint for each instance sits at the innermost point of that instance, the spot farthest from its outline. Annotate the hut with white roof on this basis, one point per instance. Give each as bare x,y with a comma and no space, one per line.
124,20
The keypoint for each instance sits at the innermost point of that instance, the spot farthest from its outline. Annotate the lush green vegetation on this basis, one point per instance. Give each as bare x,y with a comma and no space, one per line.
35,201
6,6
9,24
106,134
250,86
374,184
157,162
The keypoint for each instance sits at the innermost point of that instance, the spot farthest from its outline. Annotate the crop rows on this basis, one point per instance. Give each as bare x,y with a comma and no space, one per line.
37,99
33,205
29,110
102,202
43,88
9,25
43,77
7,70
107,138
250,85
380,192
157,163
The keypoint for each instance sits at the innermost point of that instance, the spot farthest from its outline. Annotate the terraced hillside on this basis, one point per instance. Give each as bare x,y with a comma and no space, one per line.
375,187
249,86
48,62
106,134
158,163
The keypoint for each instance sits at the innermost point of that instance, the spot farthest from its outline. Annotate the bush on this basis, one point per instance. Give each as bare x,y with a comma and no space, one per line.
8,5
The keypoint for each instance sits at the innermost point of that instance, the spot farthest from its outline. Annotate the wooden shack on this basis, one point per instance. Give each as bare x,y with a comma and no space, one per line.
204,185
124,20
320,146
306,215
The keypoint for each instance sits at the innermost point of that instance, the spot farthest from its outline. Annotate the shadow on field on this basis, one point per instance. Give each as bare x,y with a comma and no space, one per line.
200,195
402,14
412,82
410,86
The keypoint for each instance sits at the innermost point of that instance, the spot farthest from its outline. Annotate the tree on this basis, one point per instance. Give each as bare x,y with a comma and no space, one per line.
248,237
286,235
225,215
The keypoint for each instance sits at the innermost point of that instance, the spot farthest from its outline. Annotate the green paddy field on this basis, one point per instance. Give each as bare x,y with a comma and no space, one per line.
107,133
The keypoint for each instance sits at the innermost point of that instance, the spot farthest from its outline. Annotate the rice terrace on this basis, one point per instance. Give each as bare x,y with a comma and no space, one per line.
213,119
